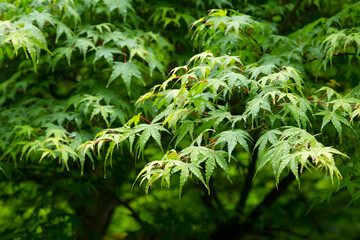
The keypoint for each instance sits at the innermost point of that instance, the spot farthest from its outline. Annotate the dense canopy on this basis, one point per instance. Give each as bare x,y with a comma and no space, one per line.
191,119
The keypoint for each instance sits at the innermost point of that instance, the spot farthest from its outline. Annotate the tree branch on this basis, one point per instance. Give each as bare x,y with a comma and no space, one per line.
271,198
248,183
134,214
256,42
250,175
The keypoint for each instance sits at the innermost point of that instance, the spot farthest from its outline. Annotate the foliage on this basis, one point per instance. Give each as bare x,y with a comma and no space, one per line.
97,87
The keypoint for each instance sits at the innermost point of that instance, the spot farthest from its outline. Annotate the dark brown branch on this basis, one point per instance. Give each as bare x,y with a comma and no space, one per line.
134,214
251,172
256,42
271,198
248,181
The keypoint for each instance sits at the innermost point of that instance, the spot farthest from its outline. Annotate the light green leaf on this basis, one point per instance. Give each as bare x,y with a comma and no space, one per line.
234,137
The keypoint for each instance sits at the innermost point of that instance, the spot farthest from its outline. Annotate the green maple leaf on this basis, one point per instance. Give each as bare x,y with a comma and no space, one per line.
210,157
61,28
268,137
234,137
60,53
31,39
336,119
83,45
297,147
238,23
105,111
344,104
219,115
127,71
186,127
122,5
106,53
41,18
253,107
258,70
184,175
209,169
148,130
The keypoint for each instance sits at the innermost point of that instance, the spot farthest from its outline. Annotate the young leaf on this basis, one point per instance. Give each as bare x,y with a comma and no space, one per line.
234,137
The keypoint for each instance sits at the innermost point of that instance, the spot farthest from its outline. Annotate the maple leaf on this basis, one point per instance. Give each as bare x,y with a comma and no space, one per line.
123,6
234,137
61,28
127,71
83,45
335,118
106,53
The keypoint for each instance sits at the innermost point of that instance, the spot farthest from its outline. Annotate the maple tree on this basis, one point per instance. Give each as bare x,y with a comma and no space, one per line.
99,97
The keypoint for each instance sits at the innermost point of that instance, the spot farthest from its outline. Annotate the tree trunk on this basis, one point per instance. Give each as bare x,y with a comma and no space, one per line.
234,229
95,216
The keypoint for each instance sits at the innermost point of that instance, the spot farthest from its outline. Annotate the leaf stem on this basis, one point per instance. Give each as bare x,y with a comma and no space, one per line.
208,137
323,96
145,119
